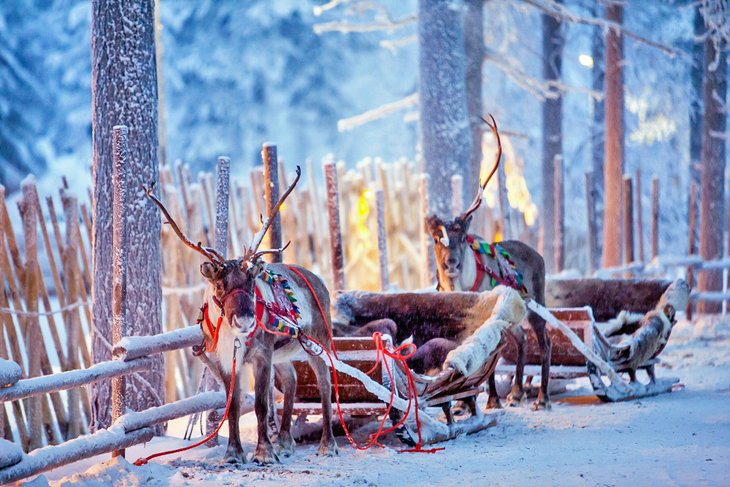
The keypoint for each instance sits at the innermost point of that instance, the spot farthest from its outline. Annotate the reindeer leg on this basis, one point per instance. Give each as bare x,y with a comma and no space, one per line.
517,395
540,327
650,372
288,383
234,450
264,453
493,399
327,445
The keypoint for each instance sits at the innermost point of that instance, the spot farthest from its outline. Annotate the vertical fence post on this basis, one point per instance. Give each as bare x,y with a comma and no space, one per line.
502,199
691,245
592,224
559,212
428,276
382,240
628,219
457,194
639,216
654,217
271,195
333,211
120,137
222,197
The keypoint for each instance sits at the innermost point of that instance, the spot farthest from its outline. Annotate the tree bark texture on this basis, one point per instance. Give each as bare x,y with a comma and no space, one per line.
712,197
445,136
598,132
474,45
613,166
552,134
124,91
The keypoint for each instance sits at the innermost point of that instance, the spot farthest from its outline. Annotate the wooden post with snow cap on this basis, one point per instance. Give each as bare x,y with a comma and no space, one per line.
333,211
120,140
271,195
428,276
382,239
222,198
559,209
457,194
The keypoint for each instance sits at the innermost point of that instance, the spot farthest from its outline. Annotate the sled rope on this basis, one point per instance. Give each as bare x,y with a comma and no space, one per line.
145,460
398,355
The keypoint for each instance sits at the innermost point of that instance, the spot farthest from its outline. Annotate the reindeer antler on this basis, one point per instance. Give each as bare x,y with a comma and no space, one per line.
478,199
209,253
252,253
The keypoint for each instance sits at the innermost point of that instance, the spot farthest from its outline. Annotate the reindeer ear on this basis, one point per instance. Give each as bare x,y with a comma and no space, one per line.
465,223
254,268
209,270
433,223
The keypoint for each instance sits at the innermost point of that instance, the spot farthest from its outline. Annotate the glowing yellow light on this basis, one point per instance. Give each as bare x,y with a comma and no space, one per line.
585,60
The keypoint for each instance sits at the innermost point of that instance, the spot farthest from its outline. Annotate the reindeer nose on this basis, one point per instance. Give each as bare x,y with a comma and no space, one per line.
452,262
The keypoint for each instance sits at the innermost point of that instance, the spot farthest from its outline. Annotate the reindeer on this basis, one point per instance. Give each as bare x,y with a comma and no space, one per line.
233,296
461,267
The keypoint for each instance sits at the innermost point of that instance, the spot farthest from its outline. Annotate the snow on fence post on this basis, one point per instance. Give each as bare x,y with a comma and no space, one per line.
592,224
654,217
120,328
31,324
457,194
628,220
559,213
222,198
333,211
271,195
428,276
382,239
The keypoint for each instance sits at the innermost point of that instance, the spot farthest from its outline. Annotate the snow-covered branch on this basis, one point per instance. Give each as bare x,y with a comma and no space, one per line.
539,88
350,123
394,44
349,27
563,13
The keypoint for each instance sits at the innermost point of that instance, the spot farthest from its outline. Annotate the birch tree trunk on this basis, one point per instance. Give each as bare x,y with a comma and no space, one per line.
598,133
712,197
695,107
613,166
445,136
552,135
124,91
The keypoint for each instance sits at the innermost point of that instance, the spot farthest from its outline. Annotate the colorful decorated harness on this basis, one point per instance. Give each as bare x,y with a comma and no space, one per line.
508,275
283,312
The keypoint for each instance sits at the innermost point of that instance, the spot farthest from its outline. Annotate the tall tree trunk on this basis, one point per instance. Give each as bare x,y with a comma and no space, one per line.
712,197
124,91
445,136
613,166
474,38
552,134
695,107
598,131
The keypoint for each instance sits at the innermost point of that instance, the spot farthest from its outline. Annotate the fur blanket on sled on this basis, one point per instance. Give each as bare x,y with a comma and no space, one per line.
508,310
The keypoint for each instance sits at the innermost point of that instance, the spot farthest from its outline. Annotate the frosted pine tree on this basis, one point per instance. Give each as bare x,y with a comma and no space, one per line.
125,92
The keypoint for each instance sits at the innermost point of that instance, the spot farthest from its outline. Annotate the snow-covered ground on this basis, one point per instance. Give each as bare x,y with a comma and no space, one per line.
673,439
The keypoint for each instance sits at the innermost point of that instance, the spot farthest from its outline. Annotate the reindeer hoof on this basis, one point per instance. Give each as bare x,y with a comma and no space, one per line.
285,445
234,458
265,456
493,403
515,399
541,404
328,450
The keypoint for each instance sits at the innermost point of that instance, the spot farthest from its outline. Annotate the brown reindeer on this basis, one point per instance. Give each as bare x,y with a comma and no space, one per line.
462,266
234,286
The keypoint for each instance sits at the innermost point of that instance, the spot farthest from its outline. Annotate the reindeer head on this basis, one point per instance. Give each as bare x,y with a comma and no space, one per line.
233,281
449,237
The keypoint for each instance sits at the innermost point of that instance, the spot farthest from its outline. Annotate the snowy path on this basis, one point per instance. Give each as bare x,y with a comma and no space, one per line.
674,439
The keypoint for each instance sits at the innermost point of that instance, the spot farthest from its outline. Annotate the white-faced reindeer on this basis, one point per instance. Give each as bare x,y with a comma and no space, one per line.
467,263
237,286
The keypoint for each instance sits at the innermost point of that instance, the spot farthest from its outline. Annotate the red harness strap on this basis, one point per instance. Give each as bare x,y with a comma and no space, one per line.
483,270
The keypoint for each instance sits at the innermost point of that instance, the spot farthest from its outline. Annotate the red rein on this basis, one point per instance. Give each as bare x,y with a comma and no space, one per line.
399,355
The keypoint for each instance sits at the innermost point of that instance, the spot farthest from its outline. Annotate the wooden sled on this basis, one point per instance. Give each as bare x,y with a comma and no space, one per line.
360,403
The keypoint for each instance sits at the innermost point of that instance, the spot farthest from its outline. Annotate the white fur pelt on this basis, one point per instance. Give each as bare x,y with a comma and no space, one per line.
476,349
